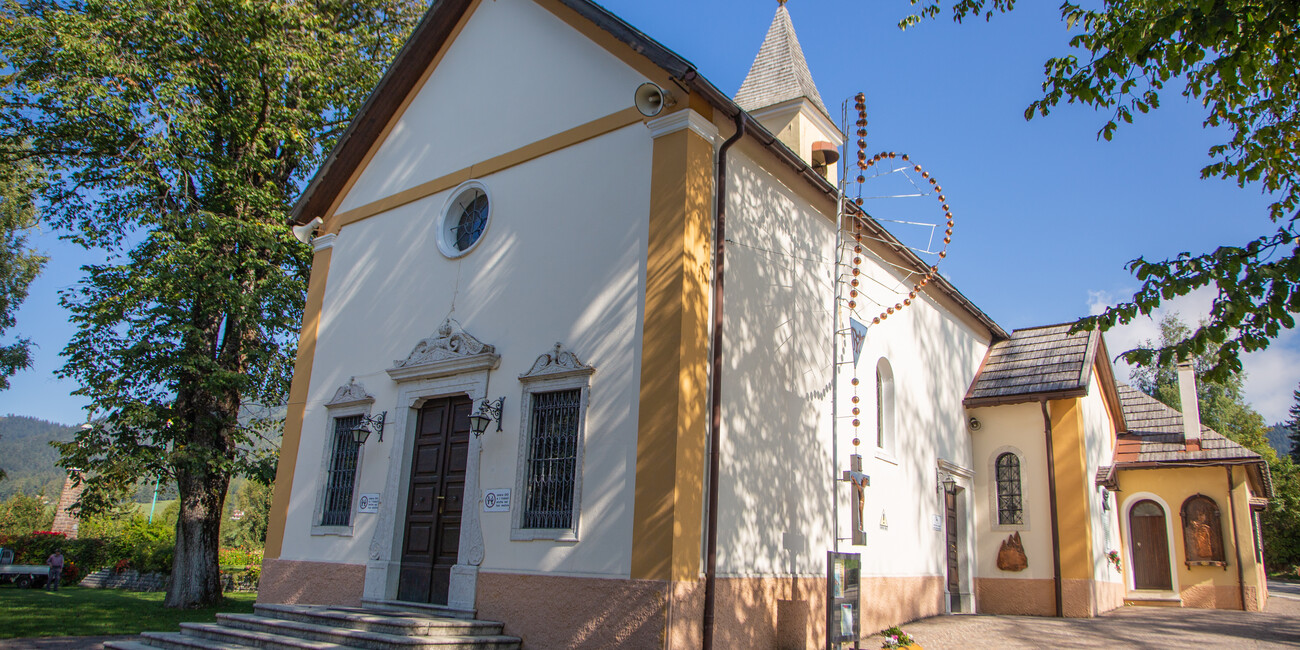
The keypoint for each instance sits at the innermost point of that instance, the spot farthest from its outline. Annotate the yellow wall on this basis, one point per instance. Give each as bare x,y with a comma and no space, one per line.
1072,489
1199,586
674,362
320,269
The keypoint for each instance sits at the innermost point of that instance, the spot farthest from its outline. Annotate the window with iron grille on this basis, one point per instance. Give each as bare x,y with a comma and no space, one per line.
552,459
341,474
1010,507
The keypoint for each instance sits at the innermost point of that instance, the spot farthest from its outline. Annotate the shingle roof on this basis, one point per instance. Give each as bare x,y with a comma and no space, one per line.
1155,434
1155,437
780,72
1035,361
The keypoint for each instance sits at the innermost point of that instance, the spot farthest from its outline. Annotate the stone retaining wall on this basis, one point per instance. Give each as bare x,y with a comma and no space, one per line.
130,580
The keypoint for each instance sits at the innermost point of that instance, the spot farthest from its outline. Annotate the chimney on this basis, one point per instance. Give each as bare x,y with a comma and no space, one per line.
1191,406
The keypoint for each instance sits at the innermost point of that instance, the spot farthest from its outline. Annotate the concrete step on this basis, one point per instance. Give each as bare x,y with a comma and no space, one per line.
175,641
235,637
1152,599
400,622
426,609
364,638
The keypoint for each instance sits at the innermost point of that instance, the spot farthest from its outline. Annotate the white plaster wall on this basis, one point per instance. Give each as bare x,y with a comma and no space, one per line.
934,356
1019,426
562,260
775,501
514,75
1099,450
774,496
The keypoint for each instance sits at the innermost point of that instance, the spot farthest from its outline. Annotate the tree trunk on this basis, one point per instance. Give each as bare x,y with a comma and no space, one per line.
196,572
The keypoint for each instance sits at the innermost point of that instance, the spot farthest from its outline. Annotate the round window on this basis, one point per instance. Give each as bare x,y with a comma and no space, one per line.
464,219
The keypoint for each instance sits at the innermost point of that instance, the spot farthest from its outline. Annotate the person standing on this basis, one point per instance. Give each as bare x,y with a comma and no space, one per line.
55,561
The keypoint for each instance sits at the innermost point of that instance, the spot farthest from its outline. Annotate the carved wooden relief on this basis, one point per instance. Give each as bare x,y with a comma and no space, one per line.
1011,555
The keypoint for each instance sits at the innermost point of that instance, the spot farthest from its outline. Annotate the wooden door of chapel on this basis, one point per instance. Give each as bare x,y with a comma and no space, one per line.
1150,547
950,544
431,543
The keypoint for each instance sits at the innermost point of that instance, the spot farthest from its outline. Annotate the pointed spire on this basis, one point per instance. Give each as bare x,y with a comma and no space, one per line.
780,72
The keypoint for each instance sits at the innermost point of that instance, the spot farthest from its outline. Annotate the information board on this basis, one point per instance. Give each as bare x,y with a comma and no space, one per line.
843,601
369,502
496,500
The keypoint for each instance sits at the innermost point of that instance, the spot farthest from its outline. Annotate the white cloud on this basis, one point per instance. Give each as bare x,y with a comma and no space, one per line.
1271,374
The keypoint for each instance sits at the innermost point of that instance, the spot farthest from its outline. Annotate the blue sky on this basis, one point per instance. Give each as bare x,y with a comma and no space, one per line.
1048,214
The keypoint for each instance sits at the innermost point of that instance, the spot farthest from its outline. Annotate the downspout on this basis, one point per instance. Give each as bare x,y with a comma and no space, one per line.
1051,499
1236,541
715,383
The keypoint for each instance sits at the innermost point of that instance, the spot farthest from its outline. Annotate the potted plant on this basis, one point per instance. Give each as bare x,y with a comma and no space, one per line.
895,637
1112,557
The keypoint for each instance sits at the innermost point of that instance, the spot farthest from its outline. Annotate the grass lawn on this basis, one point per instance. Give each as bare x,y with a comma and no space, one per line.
79,611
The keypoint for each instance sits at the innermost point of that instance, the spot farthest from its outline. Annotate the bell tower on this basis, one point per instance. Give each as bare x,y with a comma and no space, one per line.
779,92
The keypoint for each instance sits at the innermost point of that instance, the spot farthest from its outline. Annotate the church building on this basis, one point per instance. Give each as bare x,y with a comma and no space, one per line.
526,392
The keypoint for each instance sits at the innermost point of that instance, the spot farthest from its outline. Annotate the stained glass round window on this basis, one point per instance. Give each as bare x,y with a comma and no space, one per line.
464,220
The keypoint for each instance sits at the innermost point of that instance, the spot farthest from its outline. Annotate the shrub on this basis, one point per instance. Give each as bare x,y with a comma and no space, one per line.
239,557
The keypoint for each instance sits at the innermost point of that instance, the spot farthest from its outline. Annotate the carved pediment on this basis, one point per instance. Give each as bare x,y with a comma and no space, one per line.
350,394
556,363
451,350
451,342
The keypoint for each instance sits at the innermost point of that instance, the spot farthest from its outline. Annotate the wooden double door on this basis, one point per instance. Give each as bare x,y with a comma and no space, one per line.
435,499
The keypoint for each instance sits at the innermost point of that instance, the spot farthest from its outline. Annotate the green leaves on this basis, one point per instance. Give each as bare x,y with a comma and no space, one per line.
176,136
19,264
1240,59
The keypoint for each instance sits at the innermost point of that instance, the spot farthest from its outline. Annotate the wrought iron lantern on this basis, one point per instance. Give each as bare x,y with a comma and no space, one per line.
367,424
487,412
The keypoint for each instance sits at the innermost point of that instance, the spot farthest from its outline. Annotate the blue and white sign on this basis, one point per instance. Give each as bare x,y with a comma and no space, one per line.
496,500
368,502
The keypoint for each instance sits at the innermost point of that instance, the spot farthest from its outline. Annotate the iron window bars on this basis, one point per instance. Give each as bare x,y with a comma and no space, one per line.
552,459
1010,507
342,473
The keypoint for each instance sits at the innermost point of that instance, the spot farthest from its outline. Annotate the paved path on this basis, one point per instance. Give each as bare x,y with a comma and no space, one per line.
1278,626
60,643
1127,627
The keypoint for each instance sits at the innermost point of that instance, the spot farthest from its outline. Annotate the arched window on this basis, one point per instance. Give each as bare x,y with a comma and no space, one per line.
884,405
1202,534
1010,506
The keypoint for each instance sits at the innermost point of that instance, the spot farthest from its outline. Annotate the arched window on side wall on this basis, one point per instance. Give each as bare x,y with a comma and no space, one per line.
1202,532
1010,505
884,405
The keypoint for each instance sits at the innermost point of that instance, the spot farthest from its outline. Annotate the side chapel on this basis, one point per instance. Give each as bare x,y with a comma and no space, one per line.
513,304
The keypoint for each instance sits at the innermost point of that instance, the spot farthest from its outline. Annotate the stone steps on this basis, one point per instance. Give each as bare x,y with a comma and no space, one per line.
386,621
376,626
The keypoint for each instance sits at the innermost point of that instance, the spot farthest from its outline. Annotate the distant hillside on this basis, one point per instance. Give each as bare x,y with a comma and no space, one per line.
1280,439
30,463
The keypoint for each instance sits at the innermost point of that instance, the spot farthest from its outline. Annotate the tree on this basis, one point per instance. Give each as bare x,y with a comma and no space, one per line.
176,136
253,499
1293,425
1238,58
19,264
21,514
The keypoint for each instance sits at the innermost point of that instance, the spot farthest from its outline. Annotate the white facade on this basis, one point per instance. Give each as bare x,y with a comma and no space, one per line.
562,260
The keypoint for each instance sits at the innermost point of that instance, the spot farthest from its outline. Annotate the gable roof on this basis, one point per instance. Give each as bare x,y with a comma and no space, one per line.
780,72
438,27
1154,438
1034,363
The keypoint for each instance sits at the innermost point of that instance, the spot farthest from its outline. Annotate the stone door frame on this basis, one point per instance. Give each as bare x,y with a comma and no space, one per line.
450,364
